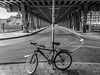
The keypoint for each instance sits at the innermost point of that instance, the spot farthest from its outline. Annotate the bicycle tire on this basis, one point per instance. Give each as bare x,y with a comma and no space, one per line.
59,58
31,63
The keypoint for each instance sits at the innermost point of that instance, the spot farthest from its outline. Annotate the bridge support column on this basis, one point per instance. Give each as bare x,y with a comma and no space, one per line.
80,22
31,20
77,20
74,20
36,22
39,24
85,11
68,21
71,26
24,18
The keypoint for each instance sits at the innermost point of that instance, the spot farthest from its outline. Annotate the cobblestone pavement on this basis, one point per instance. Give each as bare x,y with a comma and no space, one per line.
45,69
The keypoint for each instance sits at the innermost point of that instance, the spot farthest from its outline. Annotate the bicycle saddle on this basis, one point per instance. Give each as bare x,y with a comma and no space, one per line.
56,43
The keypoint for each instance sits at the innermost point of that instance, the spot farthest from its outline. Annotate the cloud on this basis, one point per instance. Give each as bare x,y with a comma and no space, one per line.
4,14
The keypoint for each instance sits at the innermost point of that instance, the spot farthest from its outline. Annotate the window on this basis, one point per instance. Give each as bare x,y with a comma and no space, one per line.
93,17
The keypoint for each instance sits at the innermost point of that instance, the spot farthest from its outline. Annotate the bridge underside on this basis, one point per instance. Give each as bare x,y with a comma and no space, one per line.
69,13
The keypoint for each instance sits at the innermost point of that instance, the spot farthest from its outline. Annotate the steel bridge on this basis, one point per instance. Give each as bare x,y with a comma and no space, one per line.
68,13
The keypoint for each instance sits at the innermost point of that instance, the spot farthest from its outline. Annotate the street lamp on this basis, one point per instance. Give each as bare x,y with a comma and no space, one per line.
53,20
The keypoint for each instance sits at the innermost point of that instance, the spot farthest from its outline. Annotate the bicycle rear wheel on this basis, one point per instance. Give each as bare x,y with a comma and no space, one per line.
31,63
63,60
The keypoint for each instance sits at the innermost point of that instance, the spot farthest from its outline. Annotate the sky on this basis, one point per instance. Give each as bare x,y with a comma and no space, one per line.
4,14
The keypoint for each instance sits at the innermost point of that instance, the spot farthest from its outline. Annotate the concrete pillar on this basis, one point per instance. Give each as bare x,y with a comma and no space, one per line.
68,21
74,20
77,21
24,18
29,20
32,21
80,25
35,22
71,21
39,24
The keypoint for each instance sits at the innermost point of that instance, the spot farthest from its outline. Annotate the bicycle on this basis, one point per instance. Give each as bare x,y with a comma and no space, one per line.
61,59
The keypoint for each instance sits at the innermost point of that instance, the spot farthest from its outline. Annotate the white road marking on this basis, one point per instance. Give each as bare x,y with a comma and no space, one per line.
81,40
26,56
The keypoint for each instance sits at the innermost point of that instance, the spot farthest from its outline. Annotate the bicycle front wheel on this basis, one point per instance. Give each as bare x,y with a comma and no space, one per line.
31,63
63,60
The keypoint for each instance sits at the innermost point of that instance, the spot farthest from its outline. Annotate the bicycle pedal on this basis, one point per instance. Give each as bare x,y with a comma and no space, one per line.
54,68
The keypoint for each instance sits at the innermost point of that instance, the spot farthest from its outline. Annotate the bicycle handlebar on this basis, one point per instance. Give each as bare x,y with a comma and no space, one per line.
35,43
43,46
56,43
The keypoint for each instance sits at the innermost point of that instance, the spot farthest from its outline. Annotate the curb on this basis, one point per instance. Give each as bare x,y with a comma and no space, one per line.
8,63
23,35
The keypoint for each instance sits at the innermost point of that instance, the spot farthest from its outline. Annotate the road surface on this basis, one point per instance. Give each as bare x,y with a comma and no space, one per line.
14,50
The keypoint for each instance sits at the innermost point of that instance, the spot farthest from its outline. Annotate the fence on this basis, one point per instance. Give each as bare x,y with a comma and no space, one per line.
10,28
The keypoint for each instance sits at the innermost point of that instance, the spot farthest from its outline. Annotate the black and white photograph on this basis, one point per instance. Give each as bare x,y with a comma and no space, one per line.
49,37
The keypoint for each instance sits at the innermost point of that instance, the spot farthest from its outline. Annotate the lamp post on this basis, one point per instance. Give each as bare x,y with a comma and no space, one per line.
53,20
53,28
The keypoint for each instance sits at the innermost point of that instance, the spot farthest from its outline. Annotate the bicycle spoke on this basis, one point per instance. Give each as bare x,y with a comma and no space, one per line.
63,60
31,64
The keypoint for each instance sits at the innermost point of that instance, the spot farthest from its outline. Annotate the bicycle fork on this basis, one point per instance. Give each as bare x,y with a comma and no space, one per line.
32,62
53,66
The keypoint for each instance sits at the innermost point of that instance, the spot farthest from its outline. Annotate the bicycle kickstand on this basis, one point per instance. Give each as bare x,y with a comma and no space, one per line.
53,67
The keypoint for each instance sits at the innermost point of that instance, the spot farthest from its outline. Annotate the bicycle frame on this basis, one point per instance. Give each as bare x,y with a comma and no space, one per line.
40,51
